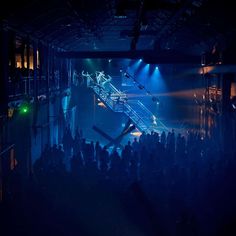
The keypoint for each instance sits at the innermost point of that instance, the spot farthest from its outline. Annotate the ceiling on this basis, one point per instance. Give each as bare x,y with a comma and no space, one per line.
190,27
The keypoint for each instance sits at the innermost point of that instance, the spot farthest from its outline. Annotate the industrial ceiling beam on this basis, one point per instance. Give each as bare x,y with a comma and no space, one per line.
151,57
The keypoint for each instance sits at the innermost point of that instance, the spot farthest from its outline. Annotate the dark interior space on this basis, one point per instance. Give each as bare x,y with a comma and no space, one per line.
117,117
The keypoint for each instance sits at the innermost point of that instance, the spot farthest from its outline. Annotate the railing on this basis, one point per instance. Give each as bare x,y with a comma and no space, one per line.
113,98
152,121
138,120
134,109
29,85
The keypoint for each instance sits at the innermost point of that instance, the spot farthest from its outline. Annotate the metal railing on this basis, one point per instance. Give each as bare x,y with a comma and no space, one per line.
28,86
134,109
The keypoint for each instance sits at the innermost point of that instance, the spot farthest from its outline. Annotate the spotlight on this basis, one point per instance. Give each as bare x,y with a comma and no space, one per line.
24,108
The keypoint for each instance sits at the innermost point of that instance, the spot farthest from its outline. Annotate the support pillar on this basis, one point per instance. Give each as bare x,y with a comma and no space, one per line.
47,73
227,134
3,72
3,99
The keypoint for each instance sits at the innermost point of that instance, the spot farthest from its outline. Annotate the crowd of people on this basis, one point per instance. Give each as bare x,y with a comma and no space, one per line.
158,184
188,180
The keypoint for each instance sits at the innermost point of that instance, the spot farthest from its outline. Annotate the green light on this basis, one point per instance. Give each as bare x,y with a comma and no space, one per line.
24,109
